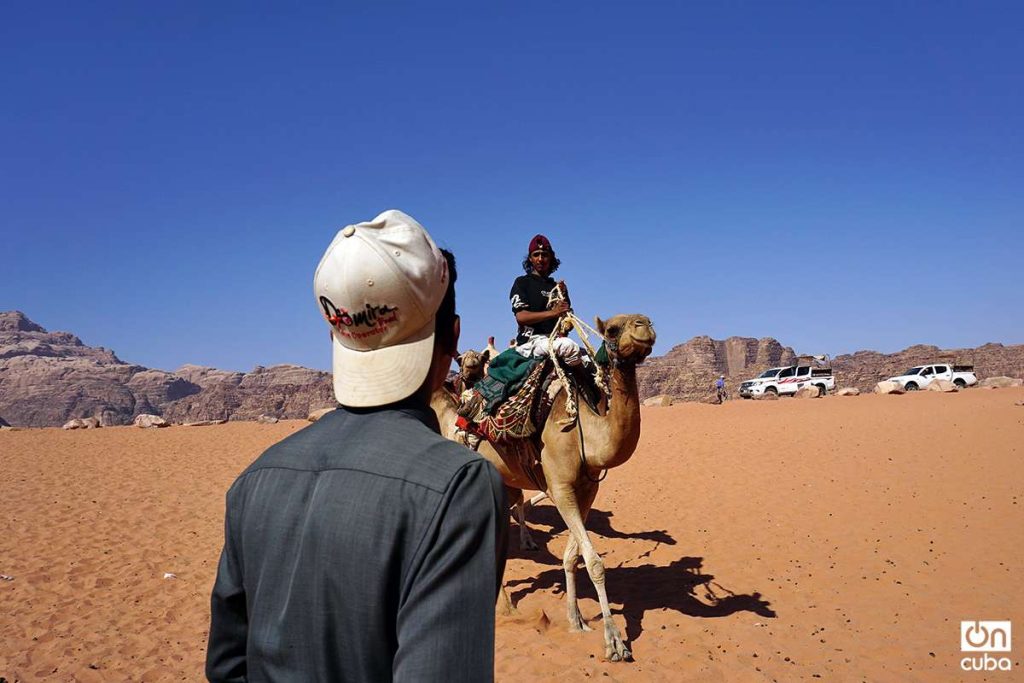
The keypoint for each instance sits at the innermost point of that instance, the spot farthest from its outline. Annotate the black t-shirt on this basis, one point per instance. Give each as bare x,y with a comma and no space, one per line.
530,293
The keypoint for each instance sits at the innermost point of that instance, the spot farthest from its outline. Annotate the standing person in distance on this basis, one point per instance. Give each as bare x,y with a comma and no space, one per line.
366,547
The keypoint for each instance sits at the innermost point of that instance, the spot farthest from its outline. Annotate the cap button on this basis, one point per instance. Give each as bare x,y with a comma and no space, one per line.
349,231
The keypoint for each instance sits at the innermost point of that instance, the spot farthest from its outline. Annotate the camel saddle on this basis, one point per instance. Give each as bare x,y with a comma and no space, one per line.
504,411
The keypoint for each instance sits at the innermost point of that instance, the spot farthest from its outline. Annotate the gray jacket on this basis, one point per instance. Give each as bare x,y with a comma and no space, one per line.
365,547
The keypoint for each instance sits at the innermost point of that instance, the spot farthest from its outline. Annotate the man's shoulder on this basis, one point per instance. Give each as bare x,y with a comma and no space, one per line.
390,444
438,462
532,283
521,281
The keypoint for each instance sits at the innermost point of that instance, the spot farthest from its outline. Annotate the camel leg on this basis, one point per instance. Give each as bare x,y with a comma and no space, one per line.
569,559
526,541
515,498
568,504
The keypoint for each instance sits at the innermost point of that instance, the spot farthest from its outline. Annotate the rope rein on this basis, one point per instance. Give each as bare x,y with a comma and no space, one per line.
565,324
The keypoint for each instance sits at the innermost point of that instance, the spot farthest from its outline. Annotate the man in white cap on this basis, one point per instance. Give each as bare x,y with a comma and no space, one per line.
366,547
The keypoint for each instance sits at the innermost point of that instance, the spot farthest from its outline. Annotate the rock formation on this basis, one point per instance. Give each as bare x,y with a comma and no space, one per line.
810,391
864,368
1000,382
688,371
50,378
887,387
146,421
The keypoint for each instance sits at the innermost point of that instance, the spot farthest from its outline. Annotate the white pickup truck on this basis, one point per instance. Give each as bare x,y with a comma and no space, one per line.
787,380
920,376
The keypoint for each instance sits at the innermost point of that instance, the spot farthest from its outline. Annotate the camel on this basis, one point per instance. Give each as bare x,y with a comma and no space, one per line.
472,367
567,471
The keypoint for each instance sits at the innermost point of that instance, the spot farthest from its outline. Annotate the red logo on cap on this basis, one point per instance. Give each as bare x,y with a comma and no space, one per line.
376,317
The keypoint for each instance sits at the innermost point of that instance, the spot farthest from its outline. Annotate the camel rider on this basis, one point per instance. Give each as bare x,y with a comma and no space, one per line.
530,297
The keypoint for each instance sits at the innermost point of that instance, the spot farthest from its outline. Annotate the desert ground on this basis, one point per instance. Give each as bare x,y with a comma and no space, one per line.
842,538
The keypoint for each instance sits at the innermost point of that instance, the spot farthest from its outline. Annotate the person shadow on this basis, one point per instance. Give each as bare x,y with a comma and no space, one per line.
681,586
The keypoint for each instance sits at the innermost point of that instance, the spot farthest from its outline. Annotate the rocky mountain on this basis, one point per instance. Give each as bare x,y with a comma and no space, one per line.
688,371
48,378
864,368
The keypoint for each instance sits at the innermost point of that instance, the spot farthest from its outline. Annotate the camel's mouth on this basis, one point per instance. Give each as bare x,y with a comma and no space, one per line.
639,347
644,349
644,337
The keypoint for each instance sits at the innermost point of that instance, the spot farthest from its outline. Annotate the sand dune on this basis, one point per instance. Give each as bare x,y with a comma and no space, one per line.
837,539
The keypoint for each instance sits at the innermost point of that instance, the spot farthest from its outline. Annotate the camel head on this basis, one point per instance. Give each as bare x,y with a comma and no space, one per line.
472,365
629,337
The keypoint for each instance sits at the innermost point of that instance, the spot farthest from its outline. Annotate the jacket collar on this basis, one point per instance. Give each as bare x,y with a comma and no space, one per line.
409,406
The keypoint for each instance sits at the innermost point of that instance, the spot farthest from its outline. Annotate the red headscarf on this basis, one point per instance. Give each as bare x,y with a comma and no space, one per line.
540,242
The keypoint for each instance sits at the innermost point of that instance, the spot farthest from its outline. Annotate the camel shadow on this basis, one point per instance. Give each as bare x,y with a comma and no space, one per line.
598,522
679,586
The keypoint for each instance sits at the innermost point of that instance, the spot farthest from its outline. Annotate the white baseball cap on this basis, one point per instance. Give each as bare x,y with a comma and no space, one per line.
379,286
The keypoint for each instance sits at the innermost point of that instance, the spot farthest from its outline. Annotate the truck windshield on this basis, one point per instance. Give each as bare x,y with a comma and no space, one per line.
913,371
769,373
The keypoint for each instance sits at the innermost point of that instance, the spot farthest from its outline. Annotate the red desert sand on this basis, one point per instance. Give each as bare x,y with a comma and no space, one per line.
833,539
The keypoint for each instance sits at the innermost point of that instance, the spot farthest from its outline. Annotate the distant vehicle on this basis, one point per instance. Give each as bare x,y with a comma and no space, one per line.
921,376
788,379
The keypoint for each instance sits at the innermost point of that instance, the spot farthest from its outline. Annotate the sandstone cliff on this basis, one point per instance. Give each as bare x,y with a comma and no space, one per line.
864,368
688,371
48,378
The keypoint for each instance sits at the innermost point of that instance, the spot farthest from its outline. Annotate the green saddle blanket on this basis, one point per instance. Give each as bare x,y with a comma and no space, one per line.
505,376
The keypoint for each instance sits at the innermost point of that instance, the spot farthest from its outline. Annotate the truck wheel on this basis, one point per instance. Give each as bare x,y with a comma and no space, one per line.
959,383
771,390
824,390
909,386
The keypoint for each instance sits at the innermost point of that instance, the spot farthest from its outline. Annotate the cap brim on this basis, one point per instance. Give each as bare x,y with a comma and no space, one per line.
375,378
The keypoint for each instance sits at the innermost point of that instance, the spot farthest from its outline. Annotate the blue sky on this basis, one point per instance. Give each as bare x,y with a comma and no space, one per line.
839,176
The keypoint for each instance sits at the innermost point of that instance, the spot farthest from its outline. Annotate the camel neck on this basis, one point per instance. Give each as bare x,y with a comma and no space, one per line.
611,438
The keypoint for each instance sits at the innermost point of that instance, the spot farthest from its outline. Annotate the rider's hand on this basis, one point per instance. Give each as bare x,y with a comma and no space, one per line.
559,308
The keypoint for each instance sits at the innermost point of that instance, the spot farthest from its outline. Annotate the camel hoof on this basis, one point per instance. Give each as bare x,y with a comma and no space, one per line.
528,544
615,650
577,625
618,653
